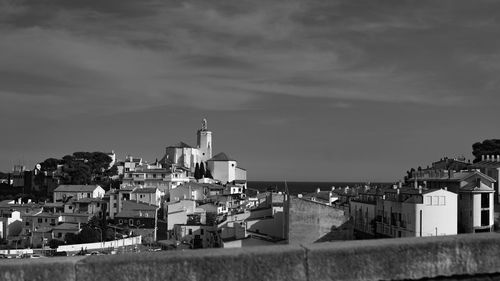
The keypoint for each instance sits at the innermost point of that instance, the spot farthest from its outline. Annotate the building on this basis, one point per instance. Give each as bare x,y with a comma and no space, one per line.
475,197
184,155
64,192
147,195
162,178
140,219
60,231
490,166
415,212
225,169
364,212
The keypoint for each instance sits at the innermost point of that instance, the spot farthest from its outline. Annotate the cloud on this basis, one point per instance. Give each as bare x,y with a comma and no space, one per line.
128,55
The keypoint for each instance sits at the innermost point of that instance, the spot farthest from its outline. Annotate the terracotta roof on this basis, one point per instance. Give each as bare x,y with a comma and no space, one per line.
221,157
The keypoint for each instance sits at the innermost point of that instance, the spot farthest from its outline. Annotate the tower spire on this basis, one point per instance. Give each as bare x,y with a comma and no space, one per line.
204,125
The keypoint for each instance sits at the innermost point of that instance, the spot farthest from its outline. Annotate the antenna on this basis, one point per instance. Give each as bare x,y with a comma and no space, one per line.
286,188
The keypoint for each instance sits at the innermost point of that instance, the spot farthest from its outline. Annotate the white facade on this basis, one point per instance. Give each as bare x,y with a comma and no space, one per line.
77,192
430,213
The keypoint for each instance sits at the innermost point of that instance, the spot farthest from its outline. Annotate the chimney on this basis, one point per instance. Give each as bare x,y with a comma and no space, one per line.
400,184
333,188
299,195
318,190
397,190
483,157
498,158
445,188
487,158
394,186
420,189
478,182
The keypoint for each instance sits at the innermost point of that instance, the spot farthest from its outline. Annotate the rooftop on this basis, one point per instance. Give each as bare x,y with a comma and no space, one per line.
221,157
76,188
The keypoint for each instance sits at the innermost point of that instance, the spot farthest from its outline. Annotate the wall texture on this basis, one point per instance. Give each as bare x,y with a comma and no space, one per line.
311,222
462,257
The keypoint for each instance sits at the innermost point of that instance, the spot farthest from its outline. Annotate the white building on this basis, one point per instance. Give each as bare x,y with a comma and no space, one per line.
225,169
77,192
184,155
410,212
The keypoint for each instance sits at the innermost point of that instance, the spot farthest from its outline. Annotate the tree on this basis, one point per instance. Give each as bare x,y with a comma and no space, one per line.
202,170
54,243
487,147
197,171
208,174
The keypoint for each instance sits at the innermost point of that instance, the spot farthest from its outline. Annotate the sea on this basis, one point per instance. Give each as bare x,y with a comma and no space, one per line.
296,187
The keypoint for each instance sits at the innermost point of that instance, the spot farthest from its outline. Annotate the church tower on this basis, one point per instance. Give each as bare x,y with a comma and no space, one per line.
204,141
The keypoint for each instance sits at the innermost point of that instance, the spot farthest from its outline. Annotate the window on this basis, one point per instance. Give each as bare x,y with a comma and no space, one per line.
114,205
428,200
485,200
70,207
190,232
27,223
138,222
202,231
435,200
53,221
40,220
485,218
88,195
131,222
442,200
120,221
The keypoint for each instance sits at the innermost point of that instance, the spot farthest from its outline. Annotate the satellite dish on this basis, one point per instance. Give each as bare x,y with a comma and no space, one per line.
38,166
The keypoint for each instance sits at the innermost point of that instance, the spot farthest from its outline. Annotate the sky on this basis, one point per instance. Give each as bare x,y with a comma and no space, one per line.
293,90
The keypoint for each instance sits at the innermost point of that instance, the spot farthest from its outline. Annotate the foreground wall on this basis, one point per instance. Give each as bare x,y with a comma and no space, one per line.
462,257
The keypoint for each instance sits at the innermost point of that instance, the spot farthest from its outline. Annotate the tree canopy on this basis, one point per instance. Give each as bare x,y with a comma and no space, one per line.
487,147
81,167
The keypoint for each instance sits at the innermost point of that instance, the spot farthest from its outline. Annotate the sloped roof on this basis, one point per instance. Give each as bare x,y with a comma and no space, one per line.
137,206
136,214
221,157
486,164
76,188
181,145
66,226
145,190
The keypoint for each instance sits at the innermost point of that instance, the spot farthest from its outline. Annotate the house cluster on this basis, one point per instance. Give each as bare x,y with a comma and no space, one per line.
452,196
190,197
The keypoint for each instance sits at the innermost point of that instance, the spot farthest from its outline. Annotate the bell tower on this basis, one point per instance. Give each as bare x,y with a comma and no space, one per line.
204,141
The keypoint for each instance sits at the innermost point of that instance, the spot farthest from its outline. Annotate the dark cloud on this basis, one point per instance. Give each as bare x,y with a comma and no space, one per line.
244,58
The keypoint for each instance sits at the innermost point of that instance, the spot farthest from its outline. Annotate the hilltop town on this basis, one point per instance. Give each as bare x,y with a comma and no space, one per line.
191,198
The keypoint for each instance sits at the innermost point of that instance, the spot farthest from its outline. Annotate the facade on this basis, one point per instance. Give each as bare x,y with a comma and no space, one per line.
364,212
410,212
490,166
225,169
475,197
64,192
147,195
184,155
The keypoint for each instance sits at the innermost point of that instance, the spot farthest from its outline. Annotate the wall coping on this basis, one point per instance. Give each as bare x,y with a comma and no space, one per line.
380,259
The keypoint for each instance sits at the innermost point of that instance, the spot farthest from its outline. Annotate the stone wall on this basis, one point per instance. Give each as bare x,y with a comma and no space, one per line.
462,257
311,222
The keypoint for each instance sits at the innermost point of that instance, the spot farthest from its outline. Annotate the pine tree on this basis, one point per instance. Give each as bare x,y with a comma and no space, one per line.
197,171
202,170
